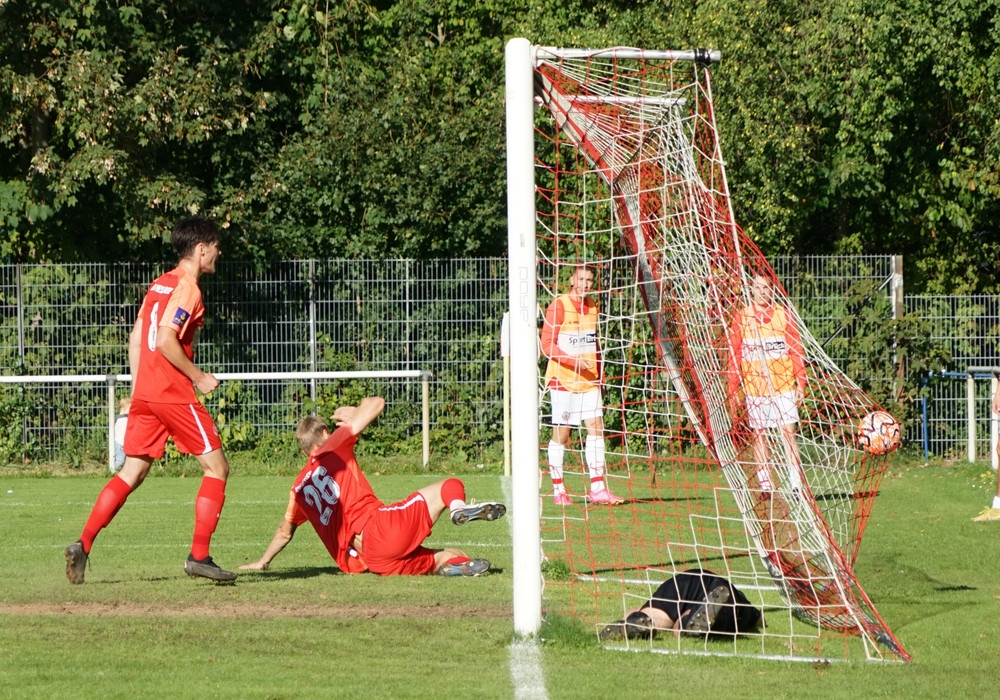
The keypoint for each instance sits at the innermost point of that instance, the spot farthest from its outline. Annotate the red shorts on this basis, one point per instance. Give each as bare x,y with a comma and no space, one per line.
150,424
393,539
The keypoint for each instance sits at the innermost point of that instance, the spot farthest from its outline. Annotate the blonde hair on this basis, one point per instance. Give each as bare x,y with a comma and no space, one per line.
124,404
309,433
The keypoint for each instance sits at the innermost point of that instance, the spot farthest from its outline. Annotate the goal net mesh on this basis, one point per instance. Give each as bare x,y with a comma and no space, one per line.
630,181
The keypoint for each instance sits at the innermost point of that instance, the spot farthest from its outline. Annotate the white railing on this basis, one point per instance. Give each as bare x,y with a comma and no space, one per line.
111,380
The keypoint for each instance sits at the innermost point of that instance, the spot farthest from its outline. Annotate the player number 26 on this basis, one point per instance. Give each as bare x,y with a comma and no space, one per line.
322,492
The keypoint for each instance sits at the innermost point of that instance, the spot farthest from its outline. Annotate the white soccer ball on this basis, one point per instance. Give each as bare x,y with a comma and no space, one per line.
879,433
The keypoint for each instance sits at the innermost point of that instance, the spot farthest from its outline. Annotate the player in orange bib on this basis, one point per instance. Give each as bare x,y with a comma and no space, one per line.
359,531
573,375
770,372
164,404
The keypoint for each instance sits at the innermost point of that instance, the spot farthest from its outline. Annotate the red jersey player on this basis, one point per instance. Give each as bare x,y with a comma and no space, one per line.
360,531
161,359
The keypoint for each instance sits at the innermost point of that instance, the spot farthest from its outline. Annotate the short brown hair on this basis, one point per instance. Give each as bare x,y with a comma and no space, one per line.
189,232
309,433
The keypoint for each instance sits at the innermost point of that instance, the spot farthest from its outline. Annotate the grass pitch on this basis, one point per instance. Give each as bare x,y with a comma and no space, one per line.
140,627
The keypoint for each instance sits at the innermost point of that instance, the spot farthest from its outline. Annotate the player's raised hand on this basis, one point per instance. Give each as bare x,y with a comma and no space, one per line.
343,415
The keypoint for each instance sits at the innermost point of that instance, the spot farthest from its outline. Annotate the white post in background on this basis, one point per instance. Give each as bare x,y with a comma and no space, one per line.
425,415
994,427
112,411
898,311
970,412
523,337
505,354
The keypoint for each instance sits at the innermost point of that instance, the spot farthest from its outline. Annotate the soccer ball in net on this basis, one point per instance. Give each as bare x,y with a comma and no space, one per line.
879,433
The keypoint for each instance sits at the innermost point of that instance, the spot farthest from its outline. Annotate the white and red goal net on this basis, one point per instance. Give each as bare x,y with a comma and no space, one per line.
629,180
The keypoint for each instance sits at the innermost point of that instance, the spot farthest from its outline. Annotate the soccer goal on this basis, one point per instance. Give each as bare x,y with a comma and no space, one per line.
614,163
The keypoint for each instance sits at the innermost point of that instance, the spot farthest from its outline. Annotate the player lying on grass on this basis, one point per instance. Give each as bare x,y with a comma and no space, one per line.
694,603
360,532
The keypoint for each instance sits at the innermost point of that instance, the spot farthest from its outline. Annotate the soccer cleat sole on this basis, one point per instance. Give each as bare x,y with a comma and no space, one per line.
638,625
479,511
702,619
469,569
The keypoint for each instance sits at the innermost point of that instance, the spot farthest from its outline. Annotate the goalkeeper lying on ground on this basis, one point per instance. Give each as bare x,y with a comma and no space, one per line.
695,603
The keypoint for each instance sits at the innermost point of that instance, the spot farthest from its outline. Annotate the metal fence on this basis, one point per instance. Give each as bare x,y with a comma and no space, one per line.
441,316
968,327
340,315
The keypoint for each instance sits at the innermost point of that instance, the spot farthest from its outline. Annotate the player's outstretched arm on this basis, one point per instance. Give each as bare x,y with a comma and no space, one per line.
361,416
281,538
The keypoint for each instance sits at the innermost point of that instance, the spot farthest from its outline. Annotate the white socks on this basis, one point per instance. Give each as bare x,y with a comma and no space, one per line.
557,453
594,454
595,461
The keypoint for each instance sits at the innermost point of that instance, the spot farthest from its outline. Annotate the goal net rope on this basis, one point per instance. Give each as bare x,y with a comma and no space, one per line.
630,182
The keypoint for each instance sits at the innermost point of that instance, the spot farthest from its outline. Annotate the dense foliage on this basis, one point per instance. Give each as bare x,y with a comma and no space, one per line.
376,129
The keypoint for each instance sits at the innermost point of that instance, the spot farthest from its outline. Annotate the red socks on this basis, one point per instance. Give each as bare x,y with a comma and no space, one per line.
108,503
452,490
207,508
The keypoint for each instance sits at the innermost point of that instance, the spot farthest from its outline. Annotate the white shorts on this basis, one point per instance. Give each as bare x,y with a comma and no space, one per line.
569,408
772,411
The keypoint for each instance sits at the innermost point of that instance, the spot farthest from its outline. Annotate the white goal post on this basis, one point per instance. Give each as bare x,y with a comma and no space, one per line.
522,324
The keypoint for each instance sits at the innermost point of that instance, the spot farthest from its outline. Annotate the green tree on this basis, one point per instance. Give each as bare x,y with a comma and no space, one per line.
864,127
376,129
117,119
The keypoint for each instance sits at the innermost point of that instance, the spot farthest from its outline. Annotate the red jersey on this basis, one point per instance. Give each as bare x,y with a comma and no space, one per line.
173,301
333,494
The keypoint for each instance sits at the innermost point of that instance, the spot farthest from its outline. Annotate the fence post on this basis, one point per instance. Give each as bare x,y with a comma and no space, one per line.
898,311
505,354
425,415
20,346
112,411
313,342
994,426
994,420
970,412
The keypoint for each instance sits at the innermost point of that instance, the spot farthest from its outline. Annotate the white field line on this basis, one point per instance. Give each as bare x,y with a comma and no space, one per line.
526,670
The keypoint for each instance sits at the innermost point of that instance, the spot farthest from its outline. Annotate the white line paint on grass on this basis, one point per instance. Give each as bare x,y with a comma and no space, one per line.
526,670
525,657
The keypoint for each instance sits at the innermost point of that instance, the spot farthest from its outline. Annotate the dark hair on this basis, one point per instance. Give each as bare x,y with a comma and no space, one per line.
189,232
